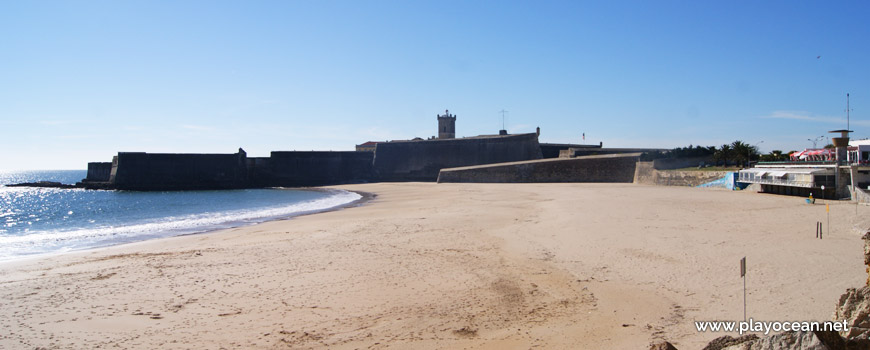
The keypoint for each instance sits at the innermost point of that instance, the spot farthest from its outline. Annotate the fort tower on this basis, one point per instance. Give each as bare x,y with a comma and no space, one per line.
446,125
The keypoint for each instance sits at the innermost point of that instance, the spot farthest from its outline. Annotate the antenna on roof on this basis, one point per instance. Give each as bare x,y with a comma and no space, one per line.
502,118
503,131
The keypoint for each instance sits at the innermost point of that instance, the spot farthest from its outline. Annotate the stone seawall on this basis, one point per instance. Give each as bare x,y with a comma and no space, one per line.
99,171
595,151
422,160
301,168
602,168
418,160
552,150
167,171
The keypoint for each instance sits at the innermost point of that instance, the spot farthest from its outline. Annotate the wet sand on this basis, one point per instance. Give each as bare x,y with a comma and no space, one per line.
478,266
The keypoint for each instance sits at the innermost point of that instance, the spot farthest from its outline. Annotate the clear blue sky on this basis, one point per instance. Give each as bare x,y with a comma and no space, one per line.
82,80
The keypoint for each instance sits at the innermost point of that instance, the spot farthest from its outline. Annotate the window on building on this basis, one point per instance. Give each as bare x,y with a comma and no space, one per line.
824,180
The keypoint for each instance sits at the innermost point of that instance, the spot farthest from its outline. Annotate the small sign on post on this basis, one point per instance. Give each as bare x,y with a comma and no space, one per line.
743,274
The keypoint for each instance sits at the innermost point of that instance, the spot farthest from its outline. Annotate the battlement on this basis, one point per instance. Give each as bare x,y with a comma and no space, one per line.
446,125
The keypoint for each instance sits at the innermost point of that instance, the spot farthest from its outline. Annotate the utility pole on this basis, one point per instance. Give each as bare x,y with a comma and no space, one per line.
851,166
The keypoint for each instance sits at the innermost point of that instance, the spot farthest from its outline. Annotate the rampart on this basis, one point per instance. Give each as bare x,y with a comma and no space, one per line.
314,168
422,160
591,151
168,171
552,150
600,168
415,160
98,172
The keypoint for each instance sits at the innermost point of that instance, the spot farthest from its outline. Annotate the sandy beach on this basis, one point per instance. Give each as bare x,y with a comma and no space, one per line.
468,266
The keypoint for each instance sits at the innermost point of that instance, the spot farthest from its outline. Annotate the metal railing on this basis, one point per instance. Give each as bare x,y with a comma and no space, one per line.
800,162
814,162
791,183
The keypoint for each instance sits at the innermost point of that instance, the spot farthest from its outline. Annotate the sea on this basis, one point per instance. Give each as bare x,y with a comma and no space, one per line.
36,221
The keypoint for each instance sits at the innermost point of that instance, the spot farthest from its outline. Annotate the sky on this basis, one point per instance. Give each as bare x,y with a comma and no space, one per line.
83,80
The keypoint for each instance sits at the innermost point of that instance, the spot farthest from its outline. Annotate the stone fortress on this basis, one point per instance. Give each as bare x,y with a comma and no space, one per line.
484,158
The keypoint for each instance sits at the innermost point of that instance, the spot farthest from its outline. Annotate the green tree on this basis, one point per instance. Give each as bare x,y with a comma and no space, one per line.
743,152
723,154
775,156
739,149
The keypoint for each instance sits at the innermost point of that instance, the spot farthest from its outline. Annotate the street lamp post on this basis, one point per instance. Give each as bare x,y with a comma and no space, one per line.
749,154
816,140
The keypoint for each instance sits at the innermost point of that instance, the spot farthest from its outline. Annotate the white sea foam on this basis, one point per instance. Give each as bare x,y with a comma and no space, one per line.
12,246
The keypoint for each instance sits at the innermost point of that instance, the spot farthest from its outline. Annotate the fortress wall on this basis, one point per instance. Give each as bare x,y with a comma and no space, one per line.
602,168
552,150
591,151
422,160
314,168
165,171
645,173
98,172
258,171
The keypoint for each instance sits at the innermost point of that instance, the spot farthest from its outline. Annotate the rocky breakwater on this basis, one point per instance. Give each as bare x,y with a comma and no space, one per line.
48,184
53,184
853,307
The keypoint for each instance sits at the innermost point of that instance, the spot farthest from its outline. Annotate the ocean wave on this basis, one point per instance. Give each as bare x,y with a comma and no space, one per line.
12,246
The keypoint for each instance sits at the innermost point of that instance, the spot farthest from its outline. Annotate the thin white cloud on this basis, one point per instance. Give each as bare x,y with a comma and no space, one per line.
60,122
76,137
197,127
800,115
807,116
520,128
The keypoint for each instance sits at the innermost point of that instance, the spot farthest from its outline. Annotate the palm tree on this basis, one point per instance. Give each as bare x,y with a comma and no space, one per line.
778,156
723,153
743,152
774,156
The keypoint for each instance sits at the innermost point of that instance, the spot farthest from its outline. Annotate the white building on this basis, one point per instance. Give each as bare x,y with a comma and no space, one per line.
835,170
